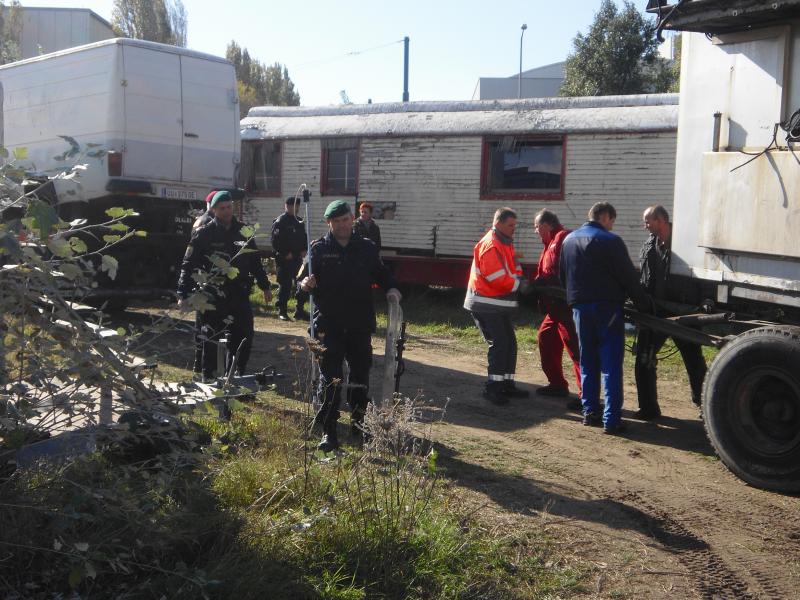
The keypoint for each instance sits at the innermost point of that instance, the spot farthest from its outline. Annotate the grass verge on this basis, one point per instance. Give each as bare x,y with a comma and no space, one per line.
254,512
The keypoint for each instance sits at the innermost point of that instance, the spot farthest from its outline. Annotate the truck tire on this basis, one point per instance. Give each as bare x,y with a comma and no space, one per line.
751,407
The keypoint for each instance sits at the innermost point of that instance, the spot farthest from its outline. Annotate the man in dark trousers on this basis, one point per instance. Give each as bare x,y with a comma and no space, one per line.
365,225
494,281
655,259
344,266
289,242
598,274
557,331
200,222
212,251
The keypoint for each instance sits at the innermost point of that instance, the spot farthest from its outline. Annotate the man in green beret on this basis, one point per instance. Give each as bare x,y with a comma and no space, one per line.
344,267
227,290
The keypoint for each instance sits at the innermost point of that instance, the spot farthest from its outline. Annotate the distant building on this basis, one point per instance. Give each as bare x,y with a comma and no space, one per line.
541,82
47,30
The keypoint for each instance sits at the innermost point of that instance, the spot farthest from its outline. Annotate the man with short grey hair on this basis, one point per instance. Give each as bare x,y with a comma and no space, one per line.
655,261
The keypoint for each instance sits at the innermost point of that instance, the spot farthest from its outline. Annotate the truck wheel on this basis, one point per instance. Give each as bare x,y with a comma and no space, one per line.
751,407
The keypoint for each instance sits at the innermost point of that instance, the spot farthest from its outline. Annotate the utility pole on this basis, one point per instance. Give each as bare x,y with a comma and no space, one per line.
405,69
519,79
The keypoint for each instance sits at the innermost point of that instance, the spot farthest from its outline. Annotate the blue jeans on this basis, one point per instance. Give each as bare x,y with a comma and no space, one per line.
601,337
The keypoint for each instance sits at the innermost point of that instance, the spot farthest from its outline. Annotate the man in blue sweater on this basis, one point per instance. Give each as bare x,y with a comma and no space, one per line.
598,274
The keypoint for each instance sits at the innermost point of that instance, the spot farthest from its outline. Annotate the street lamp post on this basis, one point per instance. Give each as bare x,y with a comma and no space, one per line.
519,79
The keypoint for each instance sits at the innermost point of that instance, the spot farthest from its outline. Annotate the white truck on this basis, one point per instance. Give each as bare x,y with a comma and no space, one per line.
735,248
157,127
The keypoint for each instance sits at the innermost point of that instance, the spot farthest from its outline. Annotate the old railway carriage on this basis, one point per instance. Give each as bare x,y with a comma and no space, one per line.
437,171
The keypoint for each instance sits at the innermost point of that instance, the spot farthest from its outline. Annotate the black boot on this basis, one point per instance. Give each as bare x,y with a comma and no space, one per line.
493,392
357,421
329,441
301,315
512,391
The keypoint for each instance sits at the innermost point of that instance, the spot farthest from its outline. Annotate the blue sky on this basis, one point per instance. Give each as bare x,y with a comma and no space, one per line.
452,43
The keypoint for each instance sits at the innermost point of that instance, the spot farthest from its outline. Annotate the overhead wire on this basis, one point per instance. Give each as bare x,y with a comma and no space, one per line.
345,55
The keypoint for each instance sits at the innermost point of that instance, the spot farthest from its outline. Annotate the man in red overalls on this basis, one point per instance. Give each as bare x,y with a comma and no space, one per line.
557,331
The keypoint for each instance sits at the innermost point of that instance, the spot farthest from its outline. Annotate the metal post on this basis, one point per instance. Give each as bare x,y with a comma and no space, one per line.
405,69
519,79
717,129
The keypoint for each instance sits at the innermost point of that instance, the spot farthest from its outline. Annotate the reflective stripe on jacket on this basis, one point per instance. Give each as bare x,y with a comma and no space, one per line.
494,276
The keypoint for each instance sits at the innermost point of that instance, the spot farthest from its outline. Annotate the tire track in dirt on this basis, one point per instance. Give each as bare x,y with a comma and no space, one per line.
716,575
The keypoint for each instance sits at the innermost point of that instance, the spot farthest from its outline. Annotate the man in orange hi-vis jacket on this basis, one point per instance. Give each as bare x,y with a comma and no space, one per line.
495,279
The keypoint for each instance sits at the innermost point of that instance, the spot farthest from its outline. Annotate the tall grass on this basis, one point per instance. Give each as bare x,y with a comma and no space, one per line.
258,513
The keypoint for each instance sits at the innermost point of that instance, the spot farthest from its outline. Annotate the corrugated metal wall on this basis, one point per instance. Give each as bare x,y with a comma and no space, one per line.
436,185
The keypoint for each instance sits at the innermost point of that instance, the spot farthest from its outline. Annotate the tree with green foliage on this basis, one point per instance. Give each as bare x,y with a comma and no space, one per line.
162,21
10,30
260,84
619,55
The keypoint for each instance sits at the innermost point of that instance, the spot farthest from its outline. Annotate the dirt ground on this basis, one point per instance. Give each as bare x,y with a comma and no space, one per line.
652,514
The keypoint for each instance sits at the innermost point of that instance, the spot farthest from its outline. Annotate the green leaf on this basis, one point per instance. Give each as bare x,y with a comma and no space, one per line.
219,262
75,576
234,404
121,331
3,152
9,245
115,212
119,227
74,146
140,233
78,245
110,239
247,232
232,273
81,546
44,217
70,271
60,247
109,265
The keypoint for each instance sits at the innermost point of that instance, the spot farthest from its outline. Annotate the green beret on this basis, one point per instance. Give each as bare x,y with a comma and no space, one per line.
337,208
220,197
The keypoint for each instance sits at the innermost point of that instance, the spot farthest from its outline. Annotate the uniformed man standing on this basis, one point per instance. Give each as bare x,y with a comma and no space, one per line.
344,266
365,225
289,242
199,223
232,313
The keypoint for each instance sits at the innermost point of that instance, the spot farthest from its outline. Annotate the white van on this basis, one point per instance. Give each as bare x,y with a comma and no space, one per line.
156,125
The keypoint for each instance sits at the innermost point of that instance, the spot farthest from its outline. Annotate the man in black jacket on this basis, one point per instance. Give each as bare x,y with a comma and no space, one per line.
344,266
212,253
655,259
289,242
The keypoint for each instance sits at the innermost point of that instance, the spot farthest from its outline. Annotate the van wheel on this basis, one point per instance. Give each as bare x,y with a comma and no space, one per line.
751,407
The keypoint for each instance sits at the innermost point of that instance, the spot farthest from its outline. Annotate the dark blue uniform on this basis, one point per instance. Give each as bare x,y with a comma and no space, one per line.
288,240
344,317
231,297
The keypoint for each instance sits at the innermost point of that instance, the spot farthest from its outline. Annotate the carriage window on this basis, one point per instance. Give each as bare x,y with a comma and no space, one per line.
265,169
340,167
520,168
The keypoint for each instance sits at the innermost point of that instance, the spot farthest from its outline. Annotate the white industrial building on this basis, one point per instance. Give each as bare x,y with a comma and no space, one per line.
541,82
46,30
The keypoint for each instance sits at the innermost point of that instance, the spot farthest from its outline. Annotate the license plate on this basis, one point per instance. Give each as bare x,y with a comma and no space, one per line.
177,194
